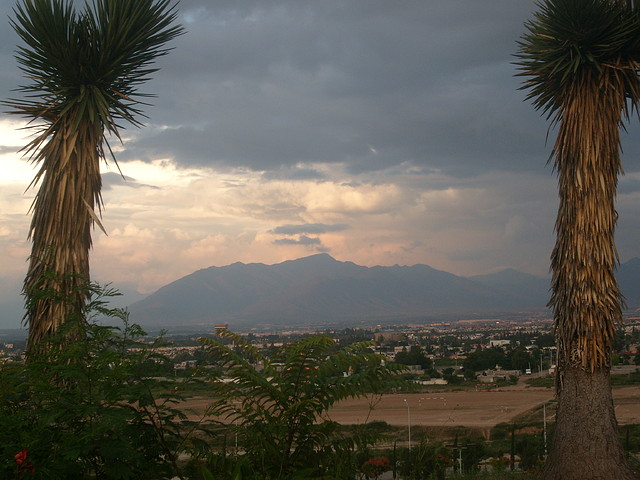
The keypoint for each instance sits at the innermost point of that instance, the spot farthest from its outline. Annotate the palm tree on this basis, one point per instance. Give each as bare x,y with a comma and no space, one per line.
581,60
84,69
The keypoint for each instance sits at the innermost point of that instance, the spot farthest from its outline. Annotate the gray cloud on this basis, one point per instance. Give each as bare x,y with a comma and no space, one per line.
628,186
272,85
301,240
111,179
8,149
268,86
294,173
313,228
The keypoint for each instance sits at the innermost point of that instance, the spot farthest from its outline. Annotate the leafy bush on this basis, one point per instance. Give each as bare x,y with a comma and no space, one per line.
279,411
85,409
425,460
414,356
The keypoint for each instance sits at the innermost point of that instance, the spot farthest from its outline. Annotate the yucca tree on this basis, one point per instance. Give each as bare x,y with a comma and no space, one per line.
84,69
581,59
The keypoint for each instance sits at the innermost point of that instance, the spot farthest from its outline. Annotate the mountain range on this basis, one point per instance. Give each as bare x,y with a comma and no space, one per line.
321,289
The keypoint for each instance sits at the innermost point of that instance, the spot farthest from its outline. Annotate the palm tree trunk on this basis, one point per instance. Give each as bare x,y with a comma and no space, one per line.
56,283
586,444
586,299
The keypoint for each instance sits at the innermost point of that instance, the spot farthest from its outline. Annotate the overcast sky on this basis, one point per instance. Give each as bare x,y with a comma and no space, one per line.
381,132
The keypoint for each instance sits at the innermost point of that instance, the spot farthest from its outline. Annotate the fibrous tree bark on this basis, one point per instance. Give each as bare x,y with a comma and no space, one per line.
582,59
84,70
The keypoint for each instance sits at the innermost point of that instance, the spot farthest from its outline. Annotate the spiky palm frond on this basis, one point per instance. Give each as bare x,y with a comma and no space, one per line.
92,61
581,59
570,41
84,70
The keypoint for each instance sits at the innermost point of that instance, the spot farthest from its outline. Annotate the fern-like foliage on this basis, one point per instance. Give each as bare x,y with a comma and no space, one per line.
92,408
278,406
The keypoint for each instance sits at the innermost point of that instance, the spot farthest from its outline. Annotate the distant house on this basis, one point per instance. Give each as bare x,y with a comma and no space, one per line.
186,364
432,381
388,337
415,369
492,376
499,343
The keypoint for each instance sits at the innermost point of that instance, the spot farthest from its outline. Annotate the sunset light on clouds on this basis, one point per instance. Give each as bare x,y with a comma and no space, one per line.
379,132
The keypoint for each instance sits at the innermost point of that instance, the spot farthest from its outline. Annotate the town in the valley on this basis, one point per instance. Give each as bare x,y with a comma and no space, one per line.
484,387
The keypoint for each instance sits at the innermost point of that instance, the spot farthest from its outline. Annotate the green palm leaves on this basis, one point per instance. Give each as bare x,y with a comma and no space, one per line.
571,42
92,62
84,70
581,59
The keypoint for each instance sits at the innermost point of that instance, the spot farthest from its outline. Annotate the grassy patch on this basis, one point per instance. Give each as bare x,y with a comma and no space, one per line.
624,379
541,382
446,362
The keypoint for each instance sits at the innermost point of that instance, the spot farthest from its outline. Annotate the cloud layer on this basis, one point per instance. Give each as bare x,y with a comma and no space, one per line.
380,132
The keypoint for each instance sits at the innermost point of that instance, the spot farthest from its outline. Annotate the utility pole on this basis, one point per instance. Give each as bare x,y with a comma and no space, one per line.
513,447
544,413
454,446
395,467
408,421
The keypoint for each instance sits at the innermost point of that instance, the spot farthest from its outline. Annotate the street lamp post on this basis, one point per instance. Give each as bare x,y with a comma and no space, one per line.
408,421
544,417
235,425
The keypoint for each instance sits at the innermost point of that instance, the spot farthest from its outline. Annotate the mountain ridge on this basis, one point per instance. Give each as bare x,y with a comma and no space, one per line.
319,288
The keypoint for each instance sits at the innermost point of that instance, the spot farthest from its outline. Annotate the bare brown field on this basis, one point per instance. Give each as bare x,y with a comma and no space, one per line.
468,408
627,404
455,408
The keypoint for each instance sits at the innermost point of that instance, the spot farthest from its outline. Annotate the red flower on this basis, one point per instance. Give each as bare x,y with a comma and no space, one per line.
21,461
21,457
376,466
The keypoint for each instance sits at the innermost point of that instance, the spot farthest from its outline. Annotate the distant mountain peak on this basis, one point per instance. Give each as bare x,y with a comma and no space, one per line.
319,288
635,262
321,257
503,275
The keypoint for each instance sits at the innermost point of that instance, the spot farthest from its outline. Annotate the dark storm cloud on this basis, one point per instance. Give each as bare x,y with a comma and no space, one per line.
368,84
313,228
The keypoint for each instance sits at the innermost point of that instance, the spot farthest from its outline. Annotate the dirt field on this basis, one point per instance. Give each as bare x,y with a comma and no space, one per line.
465,408
468,408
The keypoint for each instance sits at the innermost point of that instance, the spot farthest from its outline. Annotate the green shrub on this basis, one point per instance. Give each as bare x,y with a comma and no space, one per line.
279,412
85,408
